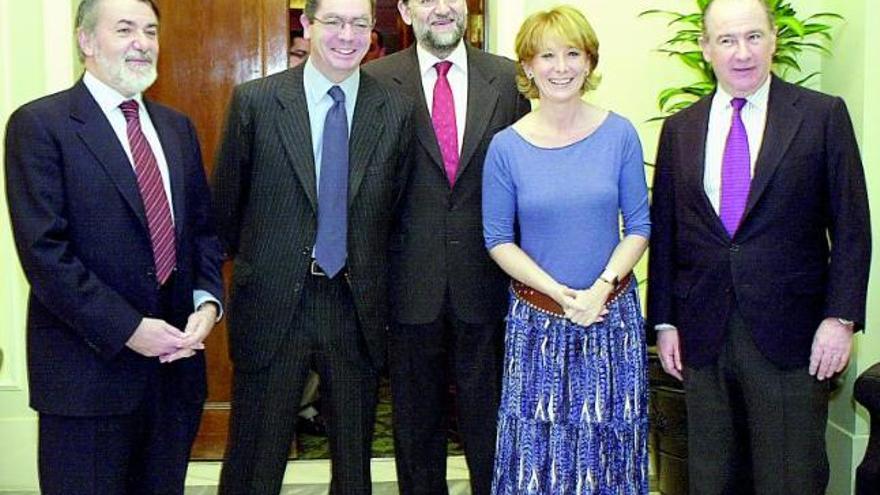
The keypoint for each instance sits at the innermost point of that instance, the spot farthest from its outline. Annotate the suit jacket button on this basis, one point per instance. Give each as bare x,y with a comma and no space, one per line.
734,248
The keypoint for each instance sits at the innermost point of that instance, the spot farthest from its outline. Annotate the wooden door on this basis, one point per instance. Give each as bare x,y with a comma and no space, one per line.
206,48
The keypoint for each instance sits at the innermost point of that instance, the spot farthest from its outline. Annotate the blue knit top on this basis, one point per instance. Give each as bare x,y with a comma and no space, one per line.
567,203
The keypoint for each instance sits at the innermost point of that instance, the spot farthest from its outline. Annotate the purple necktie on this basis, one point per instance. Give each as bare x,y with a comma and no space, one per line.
443,118
735,171
152,189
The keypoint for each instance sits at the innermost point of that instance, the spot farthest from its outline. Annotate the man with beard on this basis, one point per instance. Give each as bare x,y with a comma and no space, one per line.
111,217
310,165
448,297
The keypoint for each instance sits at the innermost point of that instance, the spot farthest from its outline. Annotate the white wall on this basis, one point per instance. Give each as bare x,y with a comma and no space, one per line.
854,74
35,59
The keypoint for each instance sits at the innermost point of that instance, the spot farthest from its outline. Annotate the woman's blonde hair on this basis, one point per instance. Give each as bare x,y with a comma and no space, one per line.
564,23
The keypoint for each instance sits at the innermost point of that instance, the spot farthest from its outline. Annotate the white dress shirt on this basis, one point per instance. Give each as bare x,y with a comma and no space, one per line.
319,103
754,117
458,81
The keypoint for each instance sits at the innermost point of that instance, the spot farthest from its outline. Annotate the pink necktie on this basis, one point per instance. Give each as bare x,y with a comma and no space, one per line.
152,193
443,118
735,171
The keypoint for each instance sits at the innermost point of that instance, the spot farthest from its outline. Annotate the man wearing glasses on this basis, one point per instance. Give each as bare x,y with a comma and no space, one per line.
310,165
448,298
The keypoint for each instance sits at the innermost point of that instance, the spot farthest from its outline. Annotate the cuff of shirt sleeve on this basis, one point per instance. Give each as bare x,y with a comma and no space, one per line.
662,327
202,296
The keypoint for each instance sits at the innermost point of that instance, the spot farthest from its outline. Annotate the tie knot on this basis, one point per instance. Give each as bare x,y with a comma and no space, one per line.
129,109
738,103
337,94
443,67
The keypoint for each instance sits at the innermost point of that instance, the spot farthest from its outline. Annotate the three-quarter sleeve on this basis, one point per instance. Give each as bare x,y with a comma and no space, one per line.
499,196
634,188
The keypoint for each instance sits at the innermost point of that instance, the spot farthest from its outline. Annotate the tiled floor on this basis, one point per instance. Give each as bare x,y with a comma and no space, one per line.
312,477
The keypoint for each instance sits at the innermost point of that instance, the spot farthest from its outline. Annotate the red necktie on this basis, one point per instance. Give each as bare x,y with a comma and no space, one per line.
443,118
152,193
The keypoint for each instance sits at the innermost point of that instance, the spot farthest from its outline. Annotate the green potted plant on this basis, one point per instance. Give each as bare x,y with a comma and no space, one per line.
794,37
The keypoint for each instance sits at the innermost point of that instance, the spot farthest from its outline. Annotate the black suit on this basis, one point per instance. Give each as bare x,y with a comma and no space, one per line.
448,297
772,284
282,319
84,244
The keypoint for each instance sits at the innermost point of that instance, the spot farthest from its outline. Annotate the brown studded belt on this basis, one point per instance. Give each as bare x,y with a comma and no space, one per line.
539,301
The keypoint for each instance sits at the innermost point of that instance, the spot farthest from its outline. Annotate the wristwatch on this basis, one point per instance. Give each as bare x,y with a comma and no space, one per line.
609,277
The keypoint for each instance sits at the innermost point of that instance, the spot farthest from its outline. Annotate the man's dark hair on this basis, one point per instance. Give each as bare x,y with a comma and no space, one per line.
312,6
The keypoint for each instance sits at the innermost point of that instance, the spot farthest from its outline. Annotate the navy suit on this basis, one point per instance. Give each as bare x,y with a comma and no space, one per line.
82,237
747,308
780,269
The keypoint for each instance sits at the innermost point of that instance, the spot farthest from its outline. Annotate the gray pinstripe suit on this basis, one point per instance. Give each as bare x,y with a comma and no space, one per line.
282,319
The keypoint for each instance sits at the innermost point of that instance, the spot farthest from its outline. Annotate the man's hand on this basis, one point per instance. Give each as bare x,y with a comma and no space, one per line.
155,337
198,326
831,347
669,349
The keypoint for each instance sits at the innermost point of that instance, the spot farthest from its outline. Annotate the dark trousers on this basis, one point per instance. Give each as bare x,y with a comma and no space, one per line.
265,402
752,427
144,452
424,360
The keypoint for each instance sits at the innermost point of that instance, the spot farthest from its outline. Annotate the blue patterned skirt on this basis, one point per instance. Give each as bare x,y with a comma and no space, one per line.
574,406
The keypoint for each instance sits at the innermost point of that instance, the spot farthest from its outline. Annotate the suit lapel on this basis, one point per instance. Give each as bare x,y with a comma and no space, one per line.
783,122
366,129
482,99
411,80
292,122
98,136
172,148
694,146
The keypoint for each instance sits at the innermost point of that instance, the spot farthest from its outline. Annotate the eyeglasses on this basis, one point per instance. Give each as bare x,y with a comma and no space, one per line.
337,24
433,3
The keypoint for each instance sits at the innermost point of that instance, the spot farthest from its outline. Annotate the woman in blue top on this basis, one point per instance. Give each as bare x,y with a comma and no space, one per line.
573,416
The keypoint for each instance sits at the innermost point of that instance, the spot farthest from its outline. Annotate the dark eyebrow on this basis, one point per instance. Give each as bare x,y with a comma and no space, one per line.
130,23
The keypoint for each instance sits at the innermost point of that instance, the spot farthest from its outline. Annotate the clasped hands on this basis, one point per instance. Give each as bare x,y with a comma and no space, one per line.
586,306
157,338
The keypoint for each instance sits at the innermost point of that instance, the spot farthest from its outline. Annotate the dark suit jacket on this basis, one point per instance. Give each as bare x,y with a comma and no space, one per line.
266,201
82,236
802,251
438,237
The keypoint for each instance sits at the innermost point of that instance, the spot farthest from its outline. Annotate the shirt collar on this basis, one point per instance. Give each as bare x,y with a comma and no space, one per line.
758,99
317,85
108,98
427,60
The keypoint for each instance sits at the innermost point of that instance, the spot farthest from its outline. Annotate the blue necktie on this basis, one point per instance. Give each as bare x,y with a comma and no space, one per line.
330,247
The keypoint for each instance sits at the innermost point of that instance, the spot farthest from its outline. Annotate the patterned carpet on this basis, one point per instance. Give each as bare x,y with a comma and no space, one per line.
316,447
